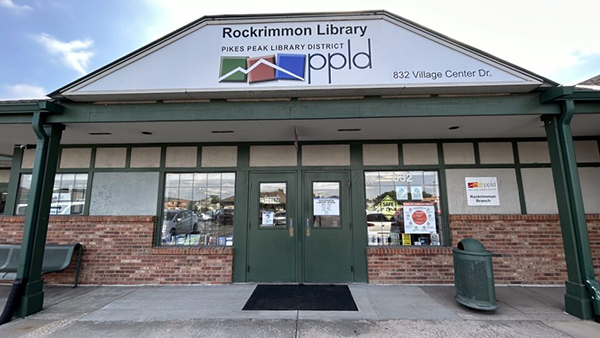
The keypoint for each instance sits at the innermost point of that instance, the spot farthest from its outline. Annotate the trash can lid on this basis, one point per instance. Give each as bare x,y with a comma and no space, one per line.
471,245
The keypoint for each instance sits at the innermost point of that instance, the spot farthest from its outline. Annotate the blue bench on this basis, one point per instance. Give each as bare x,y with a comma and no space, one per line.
56,258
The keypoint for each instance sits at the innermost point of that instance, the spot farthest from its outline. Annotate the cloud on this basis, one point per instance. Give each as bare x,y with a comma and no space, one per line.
75,54
13,6
22,91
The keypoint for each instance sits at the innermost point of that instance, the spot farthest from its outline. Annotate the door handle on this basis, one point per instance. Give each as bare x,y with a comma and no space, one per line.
307,227
291,227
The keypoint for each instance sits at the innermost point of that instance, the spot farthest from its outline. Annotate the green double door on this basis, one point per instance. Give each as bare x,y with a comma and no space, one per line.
300,228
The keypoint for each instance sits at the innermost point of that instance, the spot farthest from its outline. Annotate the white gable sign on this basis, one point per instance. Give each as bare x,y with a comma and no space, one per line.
221,57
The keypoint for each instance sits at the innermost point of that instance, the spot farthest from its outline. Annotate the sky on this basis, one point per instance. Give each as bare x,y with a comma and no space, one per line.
46,44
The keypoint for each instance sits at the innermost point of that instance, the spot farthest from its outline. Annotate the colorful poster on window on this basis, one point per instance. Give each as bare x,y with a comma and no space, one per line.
267,218
326,206
402,193
416,192
482,191
419,218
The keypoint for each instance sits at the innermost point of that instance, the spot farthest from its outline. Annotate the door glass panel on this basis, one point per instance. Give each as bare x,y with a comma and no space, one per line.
326,204
273,205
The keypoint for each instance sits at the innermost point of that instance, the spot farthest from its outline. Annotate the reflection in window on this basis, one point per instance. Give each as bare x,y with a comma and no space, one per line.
403,208
326,204
68,195
273,202
198,209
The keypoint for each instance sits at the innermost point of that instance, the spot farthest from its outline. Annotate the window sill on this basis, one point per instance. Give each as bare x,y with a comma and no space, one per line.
409,250
193,250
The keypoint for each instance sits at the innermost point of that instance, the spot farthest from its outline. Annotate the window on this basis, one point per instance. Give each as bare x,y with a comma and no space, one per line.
198,209
403,208
326,209
273,205
68,195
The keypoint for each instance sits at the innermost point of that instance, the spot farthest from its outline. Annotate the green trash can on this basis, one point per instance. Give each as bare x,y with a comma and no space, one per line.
474,276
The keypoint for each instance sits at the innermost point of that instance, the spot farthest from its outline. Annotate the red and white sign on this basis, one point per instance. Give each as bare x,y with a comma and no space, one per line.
419,218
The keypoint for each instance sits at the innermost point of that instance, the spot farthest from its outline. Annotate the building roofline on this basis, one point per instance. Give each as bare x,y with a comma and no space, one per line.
56,94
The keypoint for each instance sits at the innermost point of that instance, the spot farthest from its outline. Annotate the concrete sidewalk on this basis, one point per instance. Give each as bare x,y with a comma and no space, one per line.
215,311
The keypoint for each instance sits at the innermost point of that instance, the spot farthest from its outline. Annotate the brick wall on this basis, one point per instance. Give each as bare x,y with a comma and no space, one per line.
527,249
119,250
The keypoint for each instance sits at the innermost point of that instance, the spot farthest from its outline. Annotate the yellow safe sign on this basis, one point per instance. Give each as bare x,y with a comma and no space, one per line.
388,207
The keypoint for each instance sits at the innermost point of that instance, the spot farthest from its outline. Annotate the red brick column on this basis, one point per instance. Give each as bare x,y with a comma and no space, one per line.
119,250
527,249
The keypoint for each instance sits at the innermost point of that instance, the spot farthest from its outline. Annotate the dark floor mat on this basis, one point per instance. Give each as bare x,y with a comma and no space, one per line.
301,297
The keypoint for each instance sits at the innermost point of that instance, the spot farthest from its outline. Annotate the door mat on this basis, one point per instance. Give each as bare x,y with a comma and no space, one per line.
301,297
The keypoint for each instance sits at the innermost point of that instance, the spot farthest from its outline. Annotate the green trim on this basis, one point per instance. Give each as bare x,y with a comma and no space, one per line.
13,182
160,199
36,219
359,233
583,292
19,108
569,94
356,164
240,219
517,166
446,239
400,154
31,107
369,107
476,153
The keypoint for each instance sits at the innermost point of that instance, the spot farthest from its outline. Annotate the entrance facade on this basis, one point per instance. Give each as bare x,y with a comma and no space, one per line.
235,165
299,227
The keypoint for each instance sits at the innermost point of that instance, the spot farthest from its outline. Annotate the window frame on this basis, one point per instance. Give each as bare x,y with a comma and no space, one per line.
161,200
86,195
444,228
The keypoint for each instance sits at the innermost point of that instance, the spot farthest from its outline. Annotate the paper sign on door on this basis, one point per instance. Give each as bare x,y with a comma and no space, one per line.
267,218
326,206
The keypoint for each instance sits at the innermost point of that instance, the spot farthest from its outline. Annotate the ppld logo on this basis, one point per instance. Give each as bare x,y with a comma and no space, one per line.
292,66
481,185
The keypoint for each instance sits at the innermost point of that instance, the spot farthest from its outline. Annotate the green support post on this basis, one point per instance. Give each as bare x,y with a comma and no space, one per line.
582,298
36,218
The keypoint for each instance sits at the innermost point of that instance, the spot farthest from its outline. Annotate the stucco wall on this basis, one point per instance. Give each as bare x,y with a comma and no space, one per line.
273,156
533,152
324,155
111,157
496,153
419,153
538,187
459,153
380,154
4,176
75,158
120,194
181,157
590,188
507,188
219,156
145,157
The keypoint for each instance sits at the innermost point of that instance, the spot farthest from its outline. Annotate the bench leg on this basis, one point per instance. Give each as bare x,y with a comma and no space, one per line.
78,266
